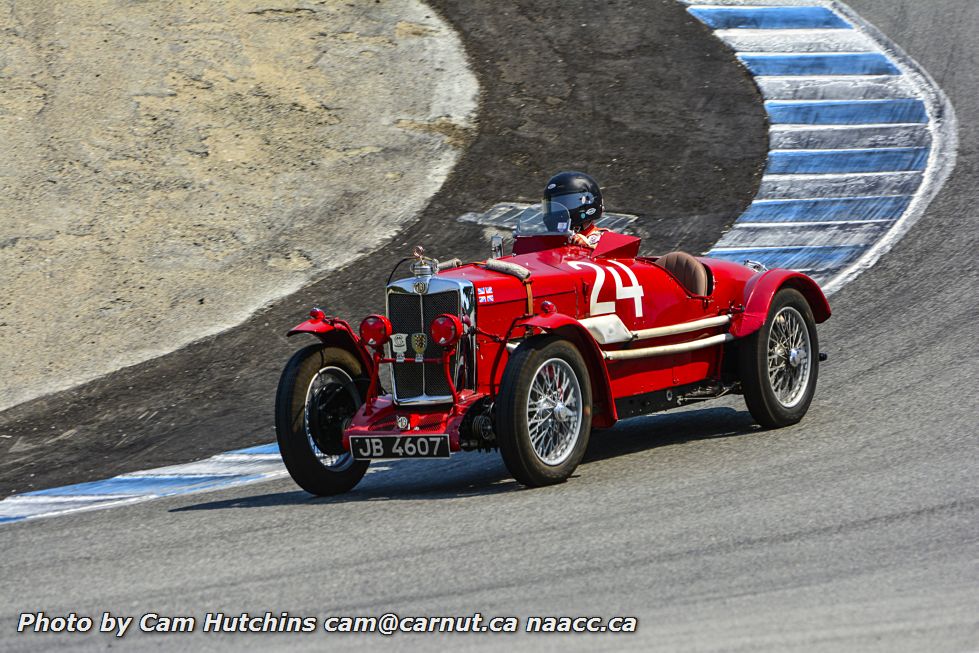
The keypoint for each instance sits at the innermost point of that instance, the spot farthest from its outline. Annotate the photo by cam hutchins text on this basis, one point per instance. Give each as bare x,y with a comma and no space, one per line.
152,622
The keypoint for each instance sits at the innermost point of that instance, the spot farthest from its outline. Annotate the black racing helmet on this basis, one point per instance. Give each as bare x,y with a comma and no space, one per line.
575,194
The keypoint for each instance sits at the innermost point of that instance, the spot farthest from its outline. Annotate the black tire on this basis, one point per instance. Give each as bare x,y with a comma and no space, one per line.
310,440
776,404
513,422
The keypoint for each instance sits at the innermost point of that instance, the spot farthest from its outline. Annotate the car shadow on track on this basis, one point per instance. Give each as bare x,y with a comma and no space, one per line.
402,480
665,429
484,475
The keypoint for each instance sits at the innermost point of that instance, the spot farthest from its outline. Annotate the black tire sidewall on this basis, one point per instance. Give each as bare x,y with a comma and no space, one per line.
297,454
758,391
513,433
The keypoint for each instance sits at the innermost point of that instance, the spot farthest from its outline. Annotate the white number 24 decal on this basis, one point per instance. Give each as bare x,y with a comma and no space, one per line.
633,292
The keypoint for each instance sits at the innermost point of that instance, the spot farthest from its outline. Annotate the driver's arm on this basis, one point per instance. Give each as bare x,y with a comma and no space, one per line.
589,240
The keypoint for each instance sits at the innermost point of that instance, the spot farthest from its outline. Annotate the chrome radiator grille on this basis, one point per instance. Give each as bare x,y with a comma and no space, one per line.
411,314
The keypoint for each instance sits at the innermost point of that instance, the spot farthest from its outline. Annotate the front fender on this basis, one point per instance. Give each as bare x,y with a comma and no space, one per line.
760,290
336,333
603,414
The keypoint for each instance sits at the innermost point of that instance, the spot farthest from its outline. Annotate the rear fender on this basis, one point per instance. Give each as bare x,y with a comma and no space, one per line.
760,291
337,333
564,326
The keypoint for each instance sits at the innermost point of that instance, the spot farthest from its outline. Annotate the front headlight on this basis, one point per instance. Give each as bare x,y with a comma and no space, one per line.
446,330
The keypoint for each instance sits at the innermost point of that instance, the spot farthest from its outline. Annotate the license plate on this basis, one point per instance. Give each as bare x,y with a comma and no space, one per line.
366,447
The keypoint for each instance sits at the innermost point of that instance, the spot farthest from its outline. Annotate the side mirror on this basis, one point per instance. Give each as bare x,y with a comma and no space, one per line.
496,246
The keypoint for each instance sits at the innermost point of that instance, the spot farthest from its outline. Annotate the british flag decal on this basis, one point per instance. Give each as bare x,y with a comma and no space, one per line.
484,295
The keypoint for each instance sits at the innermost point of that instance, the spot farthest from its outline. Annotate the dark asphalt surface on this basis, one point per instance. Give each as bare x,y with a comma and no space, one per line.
855,530
642,99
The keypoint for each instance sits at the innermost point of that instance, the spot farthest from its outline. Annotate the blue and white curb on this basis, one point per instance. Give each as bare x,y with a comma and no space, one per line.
861,138
240,467
220,472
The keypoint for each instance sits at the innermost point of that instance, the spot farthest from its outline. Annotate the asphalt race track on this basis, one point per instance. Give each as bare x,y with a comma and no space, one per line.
855,530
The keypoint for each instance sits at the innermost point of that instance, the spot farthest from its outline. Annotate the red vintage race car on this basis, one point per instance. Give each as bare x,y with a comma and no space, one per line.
526,353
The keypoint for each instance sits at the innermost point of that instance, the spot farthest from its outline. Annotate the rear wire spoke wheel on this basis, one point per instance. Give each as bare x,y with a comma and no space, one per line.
780,362
544,411
318,395
789,355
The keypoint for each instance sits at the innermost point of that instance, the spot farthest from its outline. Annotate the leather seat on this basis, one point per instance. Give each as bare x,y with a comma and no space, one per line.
691,273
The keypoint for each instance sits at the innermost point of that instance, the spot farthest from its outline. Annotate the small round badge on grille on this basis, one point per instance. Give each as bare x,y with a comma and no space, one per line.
421,287
403,423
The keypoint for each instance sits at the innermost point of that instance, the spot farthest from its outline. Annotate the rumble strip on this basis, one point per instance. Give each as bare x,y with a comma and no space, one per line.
861,137
224,470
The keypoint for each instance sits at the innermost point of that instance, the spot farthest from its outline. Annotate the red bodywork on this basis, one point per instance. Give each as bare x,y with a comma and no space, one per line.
579,283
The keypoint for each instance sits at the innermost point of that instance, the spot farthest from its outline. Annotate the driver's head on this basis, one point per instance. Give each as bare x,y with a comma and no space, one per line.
576,192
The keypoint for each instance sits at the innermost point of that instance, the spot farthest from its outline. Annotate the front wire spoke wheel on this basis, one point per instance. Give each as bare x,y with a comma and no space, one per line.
543,411
317,397
330,403
559,424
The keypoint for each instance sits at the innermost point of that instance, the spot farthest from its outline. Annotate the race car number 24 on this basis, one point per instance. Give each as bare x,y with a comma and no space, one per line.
622,292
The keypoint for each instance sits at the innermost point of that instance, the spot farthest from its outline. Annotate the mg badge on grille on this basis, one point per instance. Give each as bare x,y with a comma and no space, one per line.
399,345
419,341
403,423
420,287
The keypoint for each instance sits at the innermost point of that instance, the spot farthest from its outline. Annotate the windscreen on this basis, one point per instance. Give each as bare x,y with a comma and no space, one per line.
556,221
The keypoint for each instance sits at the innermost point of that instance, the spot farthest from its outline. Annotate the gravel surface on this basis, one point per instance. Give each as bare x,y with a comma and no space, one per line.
169,169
